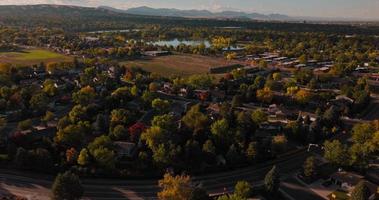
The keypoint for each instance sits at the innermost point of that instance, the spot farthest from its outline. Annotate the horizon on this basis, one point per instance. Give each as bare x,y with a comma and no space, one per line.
333,9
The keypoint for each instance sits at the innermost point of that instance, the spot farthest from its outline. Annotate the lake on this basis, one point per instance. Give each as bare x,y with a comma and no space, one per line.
177,42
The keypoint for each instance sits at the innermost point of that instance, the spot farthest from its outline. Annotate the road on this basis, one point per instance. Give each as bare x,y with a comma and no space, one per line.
35,187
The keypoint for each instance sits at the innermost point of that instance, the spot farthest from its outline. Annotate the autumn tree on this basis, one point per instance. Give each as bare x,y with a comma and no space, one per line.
175,187
265,95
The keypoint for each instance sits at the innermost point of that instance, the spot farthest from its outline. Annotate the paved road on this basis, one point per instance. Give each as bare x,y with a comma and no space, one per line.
38,188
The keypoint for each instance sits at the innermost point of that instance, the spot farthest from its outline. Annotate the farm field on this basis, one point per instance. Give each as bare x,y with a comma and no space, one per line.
179,64
31,56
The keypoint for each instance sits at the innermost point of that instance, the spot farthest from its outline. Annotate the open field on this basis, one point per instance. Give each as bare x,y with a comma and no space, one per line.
31,56
181,64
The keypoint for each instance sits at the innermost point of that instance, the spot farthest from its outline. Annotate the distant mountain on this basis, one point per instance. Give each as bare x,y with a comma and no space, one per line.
170,12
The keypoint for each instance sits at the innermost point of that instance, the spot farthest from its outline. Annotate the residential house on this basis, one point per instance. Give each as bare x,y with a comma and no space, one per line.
348,180
125,149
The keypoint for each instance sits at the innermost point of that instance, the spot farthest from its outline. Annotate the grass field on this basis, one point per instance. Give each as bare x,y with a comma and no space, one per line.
31,56
182,64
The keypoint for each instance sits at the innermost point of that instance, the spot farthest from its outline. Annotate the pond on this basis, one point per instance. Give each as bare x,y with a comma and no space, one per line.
177,42
115,31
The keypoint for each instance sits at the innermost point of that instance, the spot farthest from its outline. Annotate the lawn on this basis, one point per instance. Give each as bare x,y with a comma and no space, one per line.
180,64
31,56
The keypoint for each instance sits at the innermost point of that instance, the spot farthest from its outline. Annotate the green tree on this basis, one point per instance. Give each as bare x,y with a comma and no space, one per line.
104,157
195,119
39,102
243,189
49,87
251,152
84,96
166,122
67,186
360,192
309,167
154,136
220,131
272,181
258,116
160,105
335,152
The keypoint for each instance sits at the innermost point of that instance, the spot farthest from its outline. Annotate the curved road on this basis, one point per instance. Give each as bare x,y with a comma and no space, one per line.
105,189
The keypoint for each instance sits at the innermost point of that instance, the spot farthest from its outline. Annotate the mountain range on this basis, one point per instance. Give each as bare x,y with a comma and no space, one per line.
171,12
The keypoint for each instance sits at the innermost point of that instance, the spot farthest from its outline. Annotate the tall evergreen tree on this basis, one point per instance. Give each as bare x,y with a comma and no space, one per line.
360,192
67,186
272,181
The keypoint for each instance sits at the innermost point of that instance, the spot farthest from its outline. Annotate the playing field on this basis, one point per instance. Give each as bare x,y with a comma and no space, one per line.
182,64
31,57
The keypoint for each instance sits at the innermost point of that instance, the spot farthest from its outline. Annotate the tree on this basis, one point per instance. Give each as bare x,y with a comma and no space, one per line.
277,76
25,124
335,152
237,101
71,155
67,186
166,122
258,116
153,87
362,133
272,181
251,152
84,96
360,192
175,187
39,102
83,158
120,117
199,194
309,167
263,64
220,131
50,87
3,123
160,105
48,116
100,142
70,135
154,136
265,95
104,157
243,189
303,96
119,133
195,119
279,144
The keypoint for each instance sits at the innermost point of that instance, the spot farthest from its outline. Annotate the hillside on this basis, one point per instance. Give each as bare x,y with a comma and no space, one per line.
73,18
170,12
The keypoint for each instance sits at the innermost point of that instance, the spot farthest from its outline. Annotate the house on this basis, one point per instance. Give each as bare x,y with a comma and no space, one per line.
156,53
125,149
233,49
322,69
348,180
183,92
218,95
167,88
224,69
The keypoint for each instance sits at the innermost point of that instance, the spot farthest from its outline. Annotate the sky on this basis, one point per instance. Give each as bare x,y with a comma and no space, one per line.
358,9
